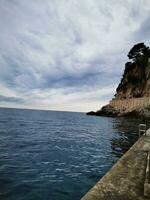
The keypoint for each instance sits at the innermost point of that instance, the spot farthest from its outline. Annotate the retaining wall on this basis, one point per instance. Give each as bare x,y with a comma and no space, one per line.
126,179
130,104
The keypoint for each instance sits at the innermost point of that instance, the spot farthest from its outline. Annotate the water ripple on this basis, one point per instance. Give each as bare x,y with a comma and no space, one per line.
57,154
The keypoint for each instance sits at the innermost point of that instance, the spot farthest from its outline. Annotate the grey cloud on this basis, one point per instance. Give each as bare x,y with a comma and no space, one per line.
67,44
143,33
11,99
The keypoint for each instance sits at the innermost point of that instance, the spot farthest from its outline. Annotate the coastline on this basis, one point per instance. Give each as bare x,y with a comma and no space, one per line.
133,107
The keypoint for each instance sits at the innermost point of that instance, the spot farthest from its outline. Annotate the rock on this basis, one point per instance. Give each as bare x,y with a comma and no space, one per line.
135,82
107,110
91,113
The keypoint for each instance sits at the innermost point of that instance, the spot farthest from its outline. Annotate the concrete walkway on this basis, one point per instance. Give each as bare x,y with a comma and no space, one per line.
125,180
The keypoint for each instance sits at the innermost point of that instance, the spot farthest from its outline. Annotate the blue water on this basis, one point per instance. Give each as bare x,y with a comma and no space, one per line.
47,155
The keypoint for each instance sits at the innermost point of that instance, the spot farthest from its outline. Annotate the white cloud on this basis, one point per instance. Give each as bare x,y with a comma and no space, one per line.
63,99
57,45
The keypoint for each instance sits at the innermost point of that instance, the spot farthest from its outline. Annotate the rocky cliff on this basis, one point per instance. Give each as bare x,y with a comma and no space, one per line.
133,92
135,82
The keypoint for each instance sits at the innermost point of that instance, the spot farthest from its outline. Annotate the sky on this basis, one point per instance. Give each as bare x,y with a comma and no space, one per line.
67,54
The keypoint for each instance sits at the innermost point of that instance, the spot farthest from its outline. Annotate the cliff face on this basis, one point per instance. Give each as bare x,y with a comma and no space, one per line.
135,82
132,96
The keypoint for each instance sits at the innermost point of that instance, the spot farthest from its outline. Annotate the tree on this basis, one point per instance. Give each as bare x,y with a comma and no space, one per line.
137,51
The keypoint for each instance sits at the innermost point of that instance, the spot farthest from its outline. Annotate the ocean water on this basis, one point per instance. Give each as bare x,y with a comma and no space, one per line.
48,155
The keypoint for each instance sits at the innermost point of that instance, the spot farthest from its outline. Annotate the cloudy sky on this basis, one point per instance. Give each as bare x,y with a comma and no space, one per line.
67,54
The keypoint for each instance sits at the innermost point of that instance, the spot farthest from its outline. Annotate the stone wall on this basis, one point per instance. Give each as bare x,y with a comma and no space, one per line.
130,104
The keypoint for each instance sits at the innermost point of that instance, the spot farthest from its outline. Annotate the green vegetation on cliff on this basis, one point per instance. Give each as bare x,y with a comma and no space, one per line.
136,78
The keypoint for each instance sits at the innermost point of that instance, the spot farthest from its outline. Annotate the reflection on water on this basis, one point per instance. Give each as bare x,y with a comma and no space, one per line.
127,130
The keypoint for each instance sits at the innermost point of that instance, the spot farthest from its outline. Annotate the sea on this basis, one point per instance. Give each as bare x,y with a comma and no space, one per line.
53,155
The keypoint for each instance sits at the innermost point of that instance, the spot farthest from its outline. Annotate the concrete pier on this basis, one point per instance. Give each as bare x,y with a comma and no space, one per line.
128,178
